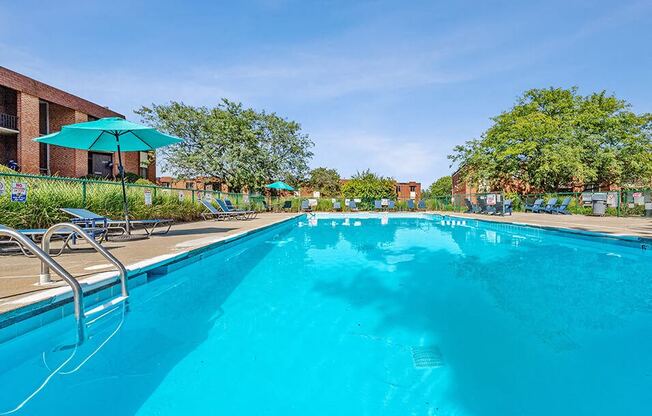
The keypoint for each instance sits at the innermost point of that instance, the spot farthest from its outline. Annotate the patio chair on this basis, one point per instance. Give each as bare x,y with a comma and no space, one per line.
240,214
550,205
504,208
563,207
535,207
410,204
378,205
391,204
305,206
470,208
287,205
233,208
67,235
353,206
482,206
90,219
213,213
422,205
337,206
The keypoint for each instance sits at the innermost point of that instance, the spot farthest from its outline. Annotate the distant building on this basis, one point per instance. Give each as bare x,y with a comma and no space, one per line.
30,109
408,190
197,184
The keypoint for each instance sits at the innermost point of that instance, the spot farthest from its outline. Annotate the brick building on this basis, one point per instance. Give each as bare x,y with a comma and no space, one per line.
408,190
30,108
198,184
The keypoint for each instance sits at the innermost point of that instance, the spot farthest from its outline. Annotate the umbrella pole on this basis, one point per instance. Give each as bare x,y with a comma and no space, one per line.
121,170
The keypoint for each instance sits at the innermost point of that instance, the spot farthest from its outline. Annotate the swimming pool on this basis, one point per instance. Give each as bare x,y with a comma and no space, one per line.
362,315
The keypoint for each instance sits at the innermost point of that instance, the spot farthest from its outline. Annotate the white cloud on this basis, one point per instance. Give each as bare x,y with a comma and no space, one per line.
402,158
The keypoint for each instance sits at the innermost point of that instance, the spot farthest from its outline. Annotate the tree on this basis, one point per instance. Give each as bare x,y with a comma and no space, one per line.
555,138
239,146
326,181
442,186
369,186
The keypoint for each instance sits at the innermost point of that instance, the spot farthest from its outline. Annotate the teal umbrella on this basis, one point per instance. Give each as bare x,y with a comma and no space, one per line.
280,185
111,134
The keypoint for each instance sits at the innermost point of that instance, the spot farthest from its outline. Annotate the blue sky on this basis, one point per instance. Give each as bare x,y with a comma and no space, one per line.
386,85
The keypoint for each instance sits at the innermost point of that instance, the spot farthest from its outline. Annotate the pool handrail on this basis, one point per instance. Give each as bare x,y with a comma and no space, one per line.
45,245
77,292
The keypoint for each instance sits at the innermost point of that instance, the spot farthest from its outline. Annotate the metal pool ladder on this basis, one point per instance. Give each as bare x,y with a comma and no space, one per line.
48,263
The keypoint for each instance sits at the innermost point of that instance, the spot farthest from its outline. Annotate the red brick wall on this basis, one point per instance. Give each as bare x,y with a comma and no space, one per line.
28,150
403,189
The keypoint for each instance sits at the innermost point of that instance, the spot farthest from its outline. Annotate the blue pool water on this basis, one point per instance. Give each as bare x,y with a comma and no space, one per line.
394,316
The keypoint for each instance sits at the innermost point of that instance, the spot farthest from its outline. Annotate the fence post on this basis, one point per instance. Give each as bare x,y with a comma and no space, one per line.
620,196
84,194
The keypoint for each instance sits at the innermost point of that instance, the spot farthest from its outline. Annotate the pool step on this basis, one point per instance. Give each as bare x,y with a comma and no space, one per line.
104,309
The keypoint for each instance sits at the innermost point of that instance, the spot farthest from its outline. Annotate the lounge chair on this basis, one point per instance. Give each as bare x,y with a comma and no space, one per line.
536,207
90,219
240,214
287,205
482,206
378,205
352,205
391,204
470,208
305,206
550,205
232,208
410,204
337,206
213,213
503,208
422,205
67,235
563,207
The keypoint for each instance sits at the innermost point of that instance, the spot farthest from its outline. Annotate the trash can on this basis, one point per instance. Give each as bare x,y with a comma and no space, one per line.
648,209
599,202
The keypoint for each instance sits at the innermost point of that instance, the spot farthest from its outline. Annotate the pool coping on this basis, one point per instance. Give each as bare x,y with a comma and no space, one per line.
51,300
596,234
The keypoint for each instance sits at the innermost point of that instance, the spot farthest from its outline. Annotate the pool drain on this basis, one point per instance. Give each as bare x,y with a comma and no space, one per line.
427,357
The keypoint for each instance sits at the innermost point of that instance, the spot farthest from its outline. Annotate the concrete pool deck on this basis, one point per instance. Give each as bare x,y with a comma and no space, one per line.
19,274
614,226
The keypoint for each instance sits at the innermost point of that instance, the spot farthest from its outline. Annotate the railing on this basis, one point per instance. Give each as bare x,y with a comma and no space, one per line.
77,293
45,244
8,121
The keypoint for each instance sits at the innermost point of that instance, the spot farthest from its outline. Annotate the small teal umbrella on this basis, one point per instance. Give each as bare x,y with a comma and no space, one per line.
111,134
280,185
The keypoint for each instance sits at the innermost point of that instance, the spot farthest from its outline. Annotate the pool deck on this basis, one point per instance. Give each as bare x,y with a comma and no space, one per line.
614,226
19,274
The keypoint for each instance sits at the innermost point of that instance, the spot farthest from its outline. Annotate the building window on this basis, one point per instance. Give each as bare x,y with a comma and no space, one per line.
413,188
100,164
190,185
43,129
144,163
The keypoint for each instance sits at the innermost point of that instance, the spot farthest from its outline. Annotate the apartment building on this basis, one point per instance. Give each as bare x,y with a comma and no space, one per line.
30,109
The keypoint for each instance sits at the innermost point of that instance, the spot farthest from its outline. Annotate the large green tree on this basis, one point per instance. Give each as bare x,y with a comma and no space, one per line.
239,146
369,186
441,187
556,138
326,181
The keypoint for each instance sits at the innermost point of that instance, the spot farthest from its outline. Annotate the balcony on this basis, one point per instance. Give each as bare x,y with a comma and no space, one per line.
8,123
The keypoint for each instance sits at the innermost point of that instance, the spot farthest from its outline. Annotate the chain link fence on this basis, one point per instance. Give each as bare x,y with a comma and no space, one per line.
33,201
